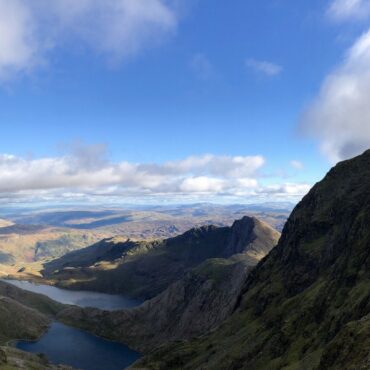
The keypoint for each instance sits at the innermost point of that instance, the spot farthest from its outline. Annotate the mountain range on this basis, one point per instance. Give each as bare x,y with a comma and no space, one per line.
227,297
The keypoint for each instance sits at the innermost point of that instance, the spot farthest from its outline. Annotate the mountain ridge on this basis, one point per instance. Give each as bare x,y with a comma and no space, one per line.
145,269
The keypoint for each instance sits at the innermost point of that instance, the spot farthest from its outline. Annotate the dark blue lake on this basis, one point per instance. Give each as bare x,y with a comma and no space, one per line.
69,346
65,345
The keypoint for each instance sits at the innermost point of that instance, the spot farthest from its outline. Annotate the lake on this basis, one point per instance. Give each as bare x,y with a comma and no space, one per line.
69,346
65,345
78,298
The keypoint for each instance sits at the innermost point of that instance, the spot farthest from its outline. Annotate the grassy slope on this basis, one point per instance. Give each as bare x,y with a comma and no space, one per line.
305,306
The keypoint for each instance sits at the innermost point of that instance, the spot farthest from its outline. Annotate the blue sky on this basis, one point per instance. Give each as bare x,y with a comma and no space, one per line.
165,81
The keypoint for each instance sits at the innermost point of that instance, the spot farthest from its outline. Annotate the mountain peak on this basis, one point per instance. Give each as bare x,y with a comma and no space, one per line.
250,234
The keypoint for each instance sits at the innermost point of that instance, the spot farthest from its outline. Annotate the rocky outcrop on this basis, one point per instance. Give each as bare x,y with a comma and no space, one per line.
252,236
306,305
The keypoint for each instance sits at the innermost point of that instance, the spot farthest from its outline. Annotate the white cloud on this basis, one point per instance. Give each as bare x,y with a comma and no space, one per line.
340,115
261,66
86,173
116,28
297,165
202,184
219,165
283,190
341,10
19,47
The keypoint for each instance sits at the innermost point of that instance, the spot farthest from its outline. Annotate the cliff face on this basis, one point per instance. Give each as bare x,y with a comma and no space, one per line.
145,269
306,305
192,305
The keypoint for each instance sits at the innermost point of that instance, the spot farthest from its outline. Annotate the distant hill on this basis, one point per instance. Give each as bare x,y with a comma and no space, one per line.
24,244
307,304
145,269
153,221
5,223
33,236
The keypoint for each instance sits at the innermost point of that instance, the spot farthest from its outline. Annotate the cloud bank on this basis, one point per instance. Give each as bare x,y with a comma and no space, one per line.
340,116
86,173
119,29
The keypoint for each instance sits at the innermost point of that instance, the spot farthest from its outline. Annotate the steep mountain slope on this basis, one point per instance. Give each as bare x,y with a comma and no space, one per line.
306,305
145,269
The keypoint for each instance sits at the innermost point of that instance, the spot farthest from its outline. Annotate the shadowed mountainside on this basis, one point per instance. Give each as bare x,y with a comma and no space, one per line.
307,304
145,269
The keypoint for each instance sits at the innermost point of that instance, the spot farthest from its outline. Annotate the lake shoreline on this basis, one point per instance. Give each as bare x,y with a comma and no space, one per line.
119,354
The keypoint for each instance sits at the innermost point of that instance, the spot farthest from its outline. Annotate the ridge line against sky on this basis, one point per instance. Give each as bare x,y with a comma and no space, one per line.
192,100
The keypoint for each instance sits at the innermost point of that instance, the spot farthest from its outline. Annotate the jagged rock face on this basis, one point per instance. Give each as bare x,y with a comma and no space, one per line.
305,306
145,269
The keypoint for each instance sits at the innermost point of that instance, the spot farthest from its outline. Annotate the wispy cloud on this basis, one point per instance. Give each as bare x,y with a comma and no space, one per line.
265,67
340,115
202,66
297,165
342,10
119,29
86,172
